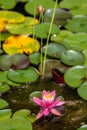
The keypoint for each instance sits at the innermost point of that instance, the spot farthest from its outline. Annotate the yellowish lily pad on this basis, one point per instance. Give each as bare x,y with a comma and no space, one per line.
20,44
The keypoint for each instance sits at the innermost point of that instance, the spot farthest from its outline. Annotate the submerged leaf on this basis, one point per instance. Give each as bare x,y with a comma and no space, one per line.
20,44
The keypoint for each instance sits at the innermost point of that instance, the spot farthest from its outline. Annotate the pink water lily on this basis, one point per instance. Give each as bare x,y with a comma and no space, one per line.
48,104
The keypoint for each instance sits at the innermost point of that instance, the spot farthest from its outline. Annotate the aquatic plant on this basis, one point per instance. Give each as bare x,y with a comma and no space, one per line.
48,104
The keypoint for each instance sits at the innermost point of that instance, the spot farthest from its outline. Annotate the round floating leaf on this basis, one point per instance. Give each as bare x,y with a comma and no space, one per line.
71,57
22,113
82,90
76,41
32,6
23,28
85,56
4,36
7,4
54,50
60,17
15,61
3,103
23,76
35,94
4,88
35,58
60,37
5,80
51,64
75,76
84,127
4,115
15,124
77,24
42,30
20,44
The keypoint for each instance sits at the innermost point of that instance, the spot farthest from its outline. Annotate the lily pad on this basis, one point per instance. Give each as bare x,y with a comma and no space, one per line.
60,17
20,44
5,114
15,124
54,50
42,30
77,24
84,127
3,103
82,90
32,6
23,28
15,61
51,64
23,76
4,36
60,37
4,87
6,4
76,41
75,76
72,58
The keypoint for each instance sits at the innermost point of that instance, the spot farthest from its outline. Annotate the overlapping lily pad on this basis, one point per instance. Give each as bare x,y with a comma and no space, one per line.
76,41
3,103
15,61
54,50
5,114
72,58
7,4
77,24
32,6
20,44
42,30
28,75
60,17
23,28
84,127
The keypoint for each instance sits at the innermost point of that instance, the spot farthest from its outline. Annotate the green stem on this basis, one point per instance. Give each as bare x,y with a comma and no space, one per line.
43,71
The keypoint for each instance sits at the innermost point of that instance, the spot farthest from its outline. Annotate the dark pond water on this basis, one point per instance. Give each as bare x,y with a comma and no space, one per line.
75,108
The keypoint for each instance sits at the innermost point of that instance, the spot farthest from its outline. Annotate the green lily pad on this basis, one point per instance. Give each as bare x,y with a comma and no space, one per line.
82,91
54,50
5,115
72,58
60,37
60,17
35,58
3,103
75,76
6,81
84,127
11,16
4,36
23,76
42,30
4,87
15,61
32,6
23,28
7,4
77,24
15,124
76,41
85,56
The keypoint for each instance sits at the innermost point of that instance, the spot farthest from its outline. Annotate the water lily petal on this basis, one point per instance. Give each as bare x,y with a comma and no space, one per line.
53,93
40,114
46,112
55,112
37,101
58,102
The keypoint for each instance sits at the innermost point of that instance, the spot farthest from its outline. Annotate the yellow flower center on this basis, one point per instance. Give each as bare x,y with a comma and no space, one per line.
48,96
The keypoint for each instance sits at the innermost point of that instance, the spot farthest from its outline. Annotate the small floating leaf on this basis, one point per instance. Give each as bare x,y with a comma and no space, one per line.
20,44
84,127
6,4
4,115
82,90
4,88
3,103
42,30
23,76
54,50
71,57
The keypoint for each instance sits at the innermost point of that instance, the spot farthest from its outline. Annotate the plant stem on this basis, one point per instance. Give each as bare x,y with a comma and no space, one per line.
44,62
